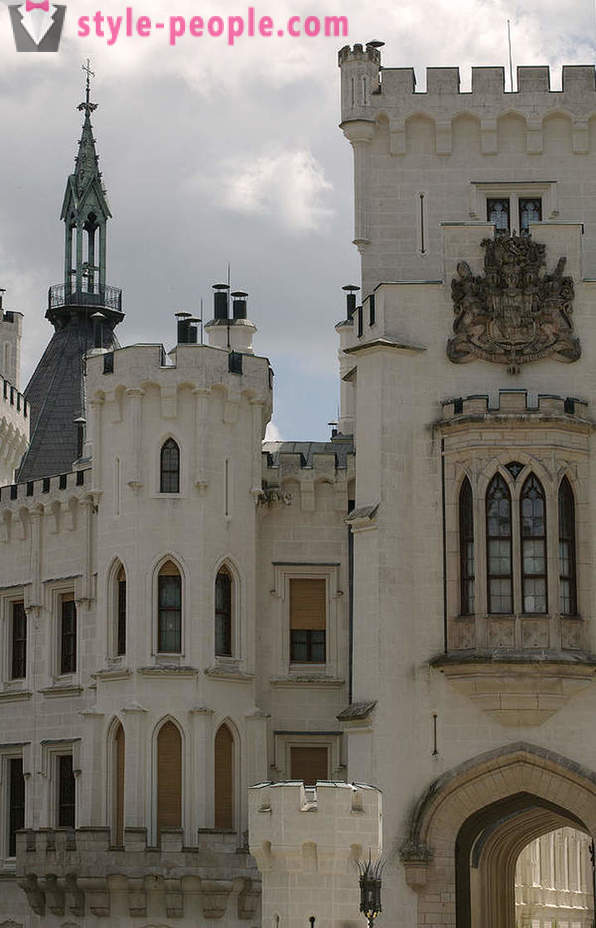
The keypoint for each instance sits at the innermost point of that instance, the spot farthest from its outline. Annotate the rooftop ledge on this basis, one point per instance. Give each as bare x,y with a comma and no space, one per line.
518,688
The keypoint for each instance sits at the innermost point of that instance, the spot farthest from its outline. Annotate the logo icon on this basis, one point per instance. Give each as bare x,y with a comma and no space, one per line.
37,27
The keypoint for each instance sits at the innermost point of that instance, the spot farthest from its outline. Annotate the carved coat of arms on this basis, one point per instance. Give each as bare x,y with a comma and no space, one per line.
515,312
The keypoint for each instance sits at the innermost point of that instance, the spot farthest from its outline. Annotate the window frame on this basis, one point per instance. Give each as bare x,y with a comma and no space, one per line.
224,569
64,670
573,549
121,624
330,572
155,609
58,758
284,741
467,600
16,676
169,439
511,574
481,192
9,683
523,540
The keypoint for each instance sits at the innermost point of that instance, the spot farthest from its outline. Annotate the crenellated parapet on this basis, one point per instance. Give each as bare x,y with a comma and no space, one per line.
14,429
307,843
515,403
370,91
65,872
293,470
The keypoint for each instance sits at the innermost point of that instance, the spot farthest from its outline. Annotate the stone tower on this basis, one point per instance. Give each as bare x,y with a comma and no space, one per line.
84,311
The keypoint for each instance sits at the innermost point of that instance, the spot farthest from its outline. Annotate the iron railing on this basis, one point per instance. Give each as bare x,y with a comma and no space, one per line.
106,297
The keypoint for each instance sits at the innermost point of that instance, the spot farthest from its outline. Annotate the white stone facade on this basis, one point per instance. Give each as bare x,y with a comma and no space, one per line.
476,725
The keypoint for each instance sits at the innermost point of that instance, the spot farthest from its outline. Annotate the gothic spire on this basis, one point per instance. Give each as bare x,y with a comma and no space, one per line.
84,311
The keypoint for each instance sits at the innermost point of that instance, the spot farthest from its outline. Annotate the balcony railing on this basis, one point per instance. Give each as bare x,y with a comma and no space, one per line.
105,297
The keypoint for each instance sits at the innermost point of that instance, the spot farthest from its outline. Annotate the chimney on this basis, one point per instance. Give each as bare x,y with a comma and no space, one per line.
2,292
239,298
350,291
183,328
220,301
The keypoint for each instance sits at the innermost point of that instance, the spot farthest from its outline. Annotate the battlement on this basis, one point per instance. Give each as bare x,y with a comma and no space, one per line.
370,92
307,843
516,402
286,816
188,366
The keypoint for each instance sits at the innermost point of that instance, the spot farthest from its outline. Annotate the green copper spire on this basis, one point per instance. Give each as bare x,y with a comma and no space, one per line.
85,212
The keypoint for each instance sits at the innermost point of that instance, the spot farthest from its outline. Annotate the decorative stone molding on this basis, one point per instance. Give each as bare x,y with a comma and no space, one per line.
518,688
65,872
416,858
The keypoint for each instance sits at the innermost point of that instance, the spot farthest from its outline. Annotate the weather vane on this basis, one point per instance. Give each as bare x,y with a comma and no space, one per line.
87,105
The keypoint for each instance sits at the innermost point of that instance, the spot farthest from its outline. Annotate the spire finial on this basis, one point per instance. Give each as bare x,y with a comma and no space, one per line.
87,105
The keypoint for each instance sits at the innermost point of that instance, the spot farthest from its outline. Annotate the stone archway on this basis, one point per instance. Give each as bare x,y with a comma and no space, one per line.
471,825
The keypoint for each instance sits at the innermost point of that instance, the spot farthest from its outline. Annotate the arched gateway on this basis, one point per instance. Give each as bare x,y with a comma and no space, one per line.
471,825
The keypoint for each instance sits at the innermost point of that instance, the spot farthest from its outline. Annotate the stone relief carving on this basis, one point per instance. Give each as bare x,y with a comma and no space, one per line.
515,312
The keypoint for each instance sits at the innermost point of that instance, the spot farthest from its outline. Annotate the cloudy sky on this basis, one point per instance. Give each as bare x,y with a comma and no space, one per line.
214,154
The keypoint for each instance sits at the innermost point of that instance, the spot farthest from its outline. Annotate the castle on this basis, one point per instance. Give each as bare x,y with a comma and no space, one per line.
198,627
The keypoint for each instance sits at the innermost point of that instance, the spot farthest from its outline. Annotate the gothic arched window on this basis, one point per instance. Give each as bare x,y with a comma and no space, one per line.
466,548
224,779
121,611
169,609
169,778
498,541
169,467
118,785
533,546
567,581
223,613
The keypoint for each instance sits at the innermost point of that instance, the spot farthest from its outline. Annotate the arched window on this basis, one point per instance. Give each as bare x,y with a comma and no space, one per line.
498,541
118,786
567,581
169,778
169,470
121,611
533,546
224,779
466,548
223,613
169,618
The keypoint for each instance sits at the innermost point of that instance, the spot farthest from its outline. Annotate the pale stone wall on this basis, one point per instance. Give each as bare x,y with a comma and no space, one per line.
308,844
554,882
456,149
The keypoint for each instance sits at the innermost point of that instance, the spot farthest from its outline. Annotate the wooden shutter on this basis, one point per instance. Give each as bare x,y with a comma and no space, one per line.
224,779
307,603
169,777
119,787
309,764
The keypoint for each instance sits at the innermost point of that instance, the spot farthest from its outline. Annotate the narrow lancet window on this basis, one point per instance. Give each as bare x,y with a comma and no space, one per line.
533,546
169,622
169,481
567,570
223,613
121,613
466,548
498,540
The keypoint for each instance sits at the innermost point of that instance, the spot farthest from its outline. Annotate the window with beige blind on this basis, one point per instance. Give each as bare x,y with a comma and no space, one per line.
308,620
169,778
224,779
309,764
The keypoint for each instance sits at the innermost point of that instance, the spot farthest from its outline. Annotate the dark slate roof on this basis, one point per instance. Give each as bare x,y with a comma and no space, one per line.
56,397
341,447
